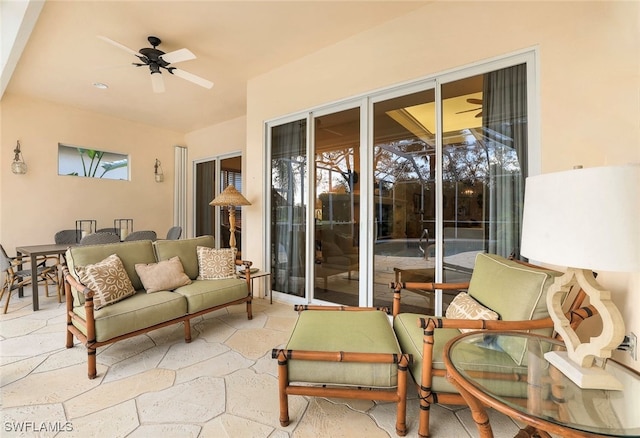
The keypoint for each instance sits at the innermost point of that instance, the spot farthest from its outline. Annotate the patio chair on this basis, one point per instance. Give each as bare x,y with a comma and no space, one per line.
502,295
141,235
18,275
67,236
99,238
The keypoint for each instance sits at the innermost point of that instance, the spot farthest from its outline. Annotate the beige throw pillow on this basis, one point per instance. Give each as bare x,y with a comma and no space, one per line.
216,263
464,306
164,275
107,279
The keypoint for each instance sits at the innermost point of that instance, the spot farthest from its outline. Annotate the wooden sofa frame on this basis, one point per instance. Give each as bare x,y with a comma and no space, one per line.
90,342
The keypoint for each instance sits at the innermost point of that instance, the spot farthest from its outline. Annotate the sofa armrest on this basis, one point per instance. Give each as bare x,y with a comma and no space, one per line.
89,321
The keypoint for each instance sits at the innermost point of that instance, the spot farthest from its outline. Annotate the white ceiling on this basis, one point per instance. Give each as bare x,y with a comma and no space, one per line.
233,41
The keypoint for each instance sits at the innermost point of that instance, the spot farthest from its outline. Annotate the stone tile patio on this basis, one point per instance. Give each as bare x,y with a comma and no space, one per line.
223,384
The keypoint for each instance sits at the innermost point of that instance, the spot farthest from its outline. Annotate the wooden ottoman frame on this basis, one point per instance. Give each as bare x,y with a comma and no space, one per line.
285,388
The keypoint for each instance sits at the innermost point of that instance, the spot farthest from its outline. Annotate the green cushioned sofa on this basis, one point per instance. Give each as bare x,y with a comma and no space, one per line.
142,311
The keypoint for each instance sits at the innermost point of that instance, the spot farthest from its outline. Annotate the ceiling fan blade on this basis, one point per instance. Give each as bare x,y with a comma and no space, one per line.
157,82
469,110
178,56
117,44
475,101
191,77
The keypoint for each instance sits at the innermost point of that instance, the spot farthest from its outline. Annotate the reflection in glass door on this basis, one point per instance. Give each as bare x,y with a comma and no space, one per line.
337,207
404,196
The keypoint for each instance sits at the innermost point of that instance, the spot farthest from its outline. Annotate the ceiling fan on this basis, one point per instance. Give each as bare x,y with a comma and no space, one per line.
473,101
157,60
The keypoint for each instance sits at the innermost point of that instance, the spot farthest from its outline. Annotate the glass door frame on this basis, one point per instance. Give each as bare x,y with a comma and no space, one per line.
366,101
217,159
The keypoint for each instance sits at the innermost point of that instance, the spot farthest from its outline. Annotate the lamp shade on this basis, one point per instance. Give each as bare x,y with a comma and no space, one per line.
229,196
584,218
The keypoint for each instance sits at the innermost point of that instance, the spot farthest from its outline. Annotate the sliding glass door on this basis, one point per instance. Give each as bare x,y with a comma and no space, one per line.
212,177
336,226
444,165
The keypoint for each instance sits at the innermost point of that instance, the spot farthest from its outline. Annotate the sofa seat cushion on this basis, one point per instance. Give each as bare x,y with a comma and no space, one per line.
410,337
136,312
356,332
204,294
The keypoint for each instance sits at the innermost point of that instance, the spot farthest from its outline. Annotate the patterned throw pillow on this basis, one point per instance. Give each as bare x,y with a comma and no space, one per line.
464,306
164,275
107,279
216,263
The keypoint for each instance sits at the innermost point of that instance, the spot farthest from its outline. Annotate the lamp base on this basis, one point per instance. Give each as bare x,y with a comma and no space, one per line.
585,378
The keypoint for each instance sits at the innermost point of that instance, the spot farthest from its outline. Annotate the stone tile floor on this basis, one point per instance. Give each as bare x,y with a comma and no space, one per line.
222,384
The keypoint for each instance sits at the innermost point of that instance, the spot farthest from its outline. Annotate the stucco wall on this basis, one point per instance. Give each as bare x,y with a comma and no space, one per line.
41,202
589,82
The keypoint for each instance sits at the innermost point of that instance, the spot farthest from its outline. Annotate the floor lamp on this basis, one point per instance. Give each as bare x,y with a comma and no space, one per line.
231,198
585,219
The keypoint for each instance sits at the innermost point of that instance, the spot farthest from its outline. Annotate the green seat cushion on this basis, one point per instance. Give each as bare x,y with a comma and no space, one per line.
356,332
136,312
204,294
185,249
514,291
410,337
130,253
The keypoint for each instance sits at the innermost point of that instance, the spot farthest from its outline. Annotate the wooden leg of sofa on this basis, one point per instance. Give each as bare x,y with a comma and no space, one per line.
69,339
91,362
187,331
425,405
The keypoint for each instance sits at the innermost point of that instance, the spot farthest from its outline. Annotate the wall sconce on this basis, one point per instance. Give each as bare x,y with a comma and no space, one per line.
158,171
18,166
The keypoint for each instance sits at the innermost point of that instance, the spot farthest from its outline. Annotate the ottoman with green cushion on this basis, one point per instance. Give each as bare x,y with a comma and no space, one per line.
336,352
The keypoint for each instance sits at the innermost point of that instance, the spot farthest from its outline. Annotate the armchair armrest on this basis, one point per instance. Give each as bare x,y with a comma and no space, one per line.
397,288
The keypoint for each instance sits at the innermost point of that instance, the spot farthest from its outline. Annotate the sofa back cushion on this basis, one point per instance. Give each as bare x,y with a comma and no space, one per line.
130,253
185,249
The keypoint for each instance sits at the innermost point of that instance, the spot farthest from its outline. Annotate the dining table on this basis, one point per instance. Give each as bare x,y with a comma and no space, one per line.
33,252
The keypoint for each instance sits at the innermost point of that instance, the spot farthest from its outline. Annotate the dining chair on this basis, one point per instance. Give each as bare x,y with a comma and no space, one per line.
99,238
142,235
174,233
67,236
108,230
17,275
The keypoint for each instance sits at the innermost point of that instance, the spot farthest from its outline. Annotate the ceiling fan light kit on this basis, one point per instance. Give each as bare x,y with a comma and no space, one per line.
157,60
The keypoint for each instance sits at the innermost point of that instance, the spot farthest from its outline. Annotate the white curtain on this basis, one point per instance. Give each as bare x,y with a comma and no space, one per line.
180,189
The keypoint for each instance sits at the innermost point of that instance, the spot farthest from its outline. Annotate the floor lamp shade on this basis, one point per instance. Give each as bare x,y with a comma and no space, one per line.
230,197
586,220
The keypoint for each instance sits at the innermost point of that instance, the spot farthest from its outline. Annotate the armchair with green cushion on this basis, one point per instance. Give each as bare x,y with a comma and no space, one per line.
511,291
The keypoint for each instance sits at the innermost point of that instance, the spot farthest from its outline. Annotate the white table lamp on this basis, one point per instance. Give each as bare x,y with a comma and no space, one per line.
585,219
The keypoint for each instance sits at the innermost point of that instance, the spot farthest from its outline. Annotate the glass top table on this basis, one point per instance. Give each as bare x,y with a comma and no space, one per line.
531,390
